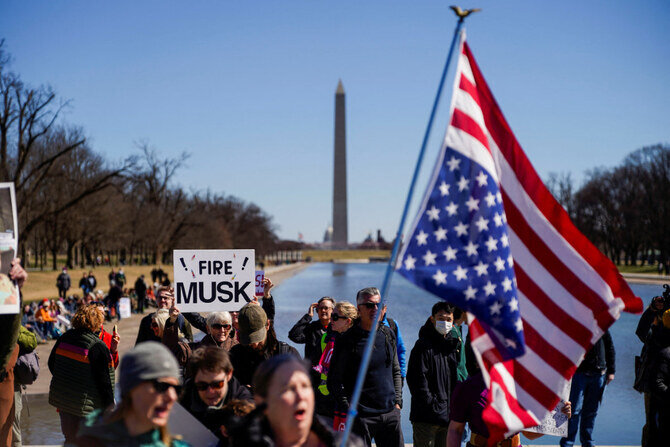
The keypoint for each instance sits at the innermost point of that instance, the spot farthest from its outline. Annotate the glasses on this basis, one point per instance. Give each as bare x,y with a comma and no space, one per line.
336,317
162,387
370,305
216,385
219,326
154,325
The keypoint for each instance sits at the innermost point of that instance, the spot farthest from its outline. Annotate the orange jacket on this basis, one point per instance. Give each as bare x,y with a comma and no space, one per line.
43,315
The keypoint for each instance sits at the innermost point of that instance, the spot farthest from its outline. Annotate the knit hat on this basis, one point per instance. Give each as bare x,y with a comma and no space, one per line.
252,321
147,361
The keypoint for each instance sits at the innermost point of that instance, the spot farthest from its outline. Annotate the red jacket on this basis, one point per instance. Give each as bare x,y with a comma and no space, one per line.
106,337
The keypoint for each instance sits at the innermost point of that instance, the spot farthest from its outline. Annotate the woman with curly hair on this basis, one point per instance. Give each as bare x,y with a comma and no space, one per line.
82,371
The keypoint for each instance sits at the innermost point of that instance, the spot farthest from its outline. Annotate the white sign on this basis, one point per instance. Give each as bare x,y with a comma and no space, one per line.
9,292
183,423
213,280
260,288
555,423
124,307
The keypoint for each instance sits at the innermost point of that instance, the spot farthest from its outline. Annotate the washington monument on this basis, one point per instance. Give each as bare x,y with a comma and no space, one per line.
340,221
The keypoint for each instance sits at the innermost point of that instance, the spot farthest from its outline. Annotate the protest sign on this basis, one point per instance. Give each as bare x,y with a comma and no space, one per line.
124,307
555,423
189,428
9,292
260,288
213,280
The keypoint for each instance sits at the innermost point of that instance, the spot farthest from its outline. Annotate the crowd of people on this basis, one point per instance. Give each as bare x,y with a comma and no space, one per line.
249,388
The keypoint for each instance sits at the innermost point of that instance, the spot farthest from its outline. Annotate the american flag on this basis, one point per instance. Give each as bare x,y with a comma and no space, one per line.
490,238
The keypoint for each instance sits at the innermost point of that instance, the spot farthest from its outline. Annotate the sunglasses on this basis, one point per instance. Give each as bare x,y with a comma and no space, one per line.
219,326
162,387
370,305
154,325
216,385
336,317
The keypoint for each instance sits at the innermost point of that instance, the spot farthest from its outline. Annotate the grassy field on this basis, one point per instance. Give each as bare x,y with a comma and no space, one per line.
42,284
637,268
329,255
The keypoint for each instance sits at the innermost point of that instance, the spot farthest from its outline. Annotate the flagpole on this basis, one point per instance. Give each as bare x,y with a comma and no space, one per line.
365,361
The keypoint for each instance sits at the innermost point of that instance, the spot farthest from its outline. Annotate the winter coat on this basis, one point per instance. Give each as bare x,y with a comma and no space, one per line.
254,431
82,373
309,333
432,375
658,339
94,432
140,287
212,417
644,325
207,340
63,281
659,408
245,360
382,387
106,337
600,358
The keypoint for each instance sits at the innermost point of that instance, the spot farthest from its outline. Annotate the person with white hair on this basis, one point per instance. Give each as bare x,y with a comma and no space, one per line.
219,327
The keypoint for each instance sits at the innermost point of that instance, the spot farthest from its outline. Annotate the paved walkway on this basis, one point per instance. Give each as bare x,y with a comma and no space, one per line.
646,278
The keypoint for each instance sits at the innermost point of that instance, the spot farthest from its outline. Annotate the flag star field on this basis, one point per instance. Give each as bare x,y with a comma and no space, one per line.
459,249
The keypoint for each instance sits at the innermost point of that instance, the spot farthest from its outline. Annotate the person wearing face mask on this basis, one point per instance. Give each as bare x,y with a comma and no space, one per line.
432,376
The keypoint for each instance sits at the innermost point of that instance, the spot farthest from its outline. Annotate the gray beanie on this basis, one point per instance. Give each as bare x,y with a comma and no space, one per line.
147,361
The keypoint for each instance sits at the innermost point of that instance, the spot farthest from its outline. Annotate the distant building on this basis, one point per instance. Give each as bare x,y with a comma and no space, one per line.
340,235
328,235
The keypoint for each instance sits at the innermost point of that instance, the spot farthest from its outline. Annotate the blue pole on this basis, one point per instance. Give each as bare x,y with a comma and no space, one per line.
365,361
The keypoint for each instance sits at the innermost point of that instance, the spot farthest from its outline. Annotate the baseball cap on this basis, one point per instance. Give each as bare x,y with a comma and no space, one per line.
252,321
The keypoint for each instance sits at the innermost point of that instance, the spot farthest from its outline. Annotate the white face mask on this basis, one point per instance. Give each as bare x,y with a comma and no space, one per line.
443,327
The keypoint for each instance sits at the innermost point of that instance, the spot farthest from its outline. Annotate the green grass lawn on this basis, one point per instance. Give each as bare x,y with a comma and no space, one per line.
329,255
638,268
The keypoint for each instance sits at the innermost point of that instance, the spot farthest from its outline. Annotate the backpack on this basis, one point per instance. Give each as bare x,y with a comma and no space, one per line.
27,368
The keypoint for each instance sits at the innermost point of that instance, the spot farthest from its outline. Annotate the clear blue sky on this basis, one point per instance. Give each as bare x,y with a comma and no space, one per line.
247,88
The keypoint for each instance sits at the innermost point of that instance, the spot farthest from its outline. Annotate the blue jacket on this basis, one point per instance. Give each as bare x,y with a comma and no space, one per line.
400,345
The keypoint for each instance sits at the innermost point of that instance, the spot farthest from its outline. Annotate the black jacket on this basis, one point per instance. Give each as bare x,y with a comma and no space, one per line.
658,340
140,287
432,375
212,417
600,358
382,387
644,325
245,360
308,332
660,379
254,431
